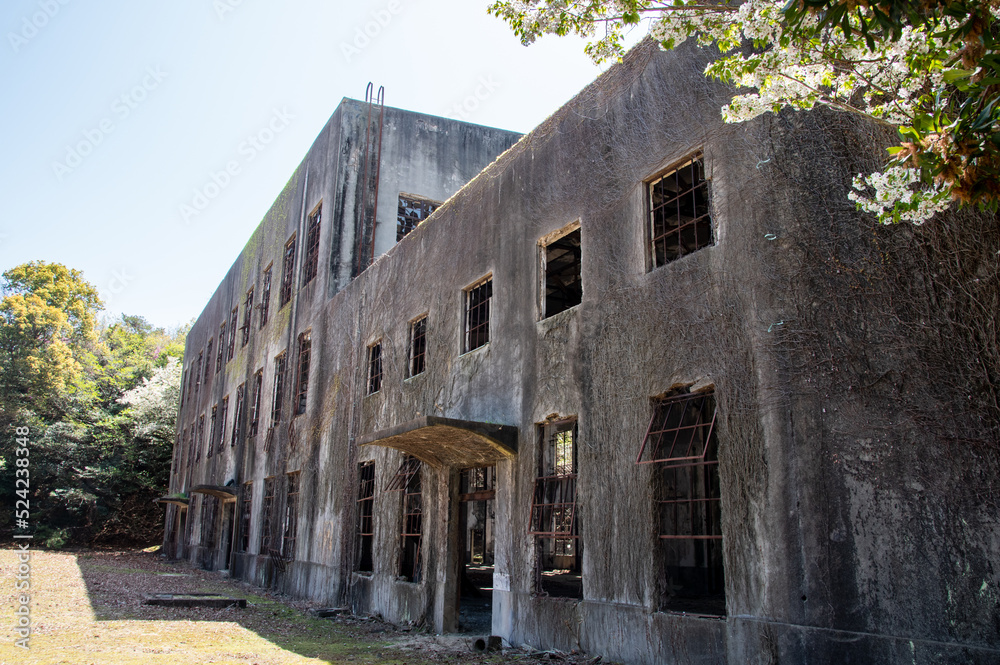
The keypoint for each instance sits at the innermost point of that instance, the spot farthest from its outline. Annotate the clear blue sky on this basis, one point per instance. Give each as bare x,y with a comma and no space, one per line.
114,112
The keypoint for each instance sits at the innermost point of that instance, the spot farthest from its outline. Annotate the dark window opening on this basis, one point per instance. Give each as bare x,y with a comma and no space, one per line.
302,385
214,431
312,248
197,379
265,516
563,284
279,388
418,346
291,517
287,271
374,368
477,314
410,564
682,443
476,525
222,345
258,385
555,522
208,361
223,414
265,296
201,436
234,318
210,522
412,210
238,413
366,521
247,316
245,517
678,212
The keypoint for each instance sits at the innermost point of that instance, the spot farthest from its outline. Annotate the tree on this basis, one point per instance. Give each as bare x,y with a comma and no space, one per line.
930,68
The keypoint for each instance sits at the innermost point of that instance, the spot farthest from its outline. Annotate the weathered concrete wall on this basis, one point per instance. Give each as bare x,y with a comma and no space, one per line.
858,475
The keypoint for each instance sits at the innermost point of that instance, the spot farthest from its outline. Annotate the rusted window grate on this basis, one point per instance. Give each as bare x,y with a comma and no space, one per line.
554,517
366,520
265,517
279,388
221,358
291,516
375,368
247,316
214,430
418,346
238,413
563,283
678,211
410,466
223,413
302,384
245,516
234,318
680,430
265,296
412,210
208,361
312,248
258,385
410,564
287,271
477,314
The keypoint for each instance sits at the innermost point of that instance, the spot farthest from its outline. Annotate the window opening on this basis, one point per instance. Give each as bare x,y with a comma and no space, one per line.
302,385
201,436
366,521
209,522
208,361
223,413
477,314
222,345
291,516
197,380
265,524
312,247
214,431
411,211
678,212
238,413
563,283
410,563
418,346
681,442
245,517
555,522
375,368
287,271
279,388
258,385
234,318
247,316
265,295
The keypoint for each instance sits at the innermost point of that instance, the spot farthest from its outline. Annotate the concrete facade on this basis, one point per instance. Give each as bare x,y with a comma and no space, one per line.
850,528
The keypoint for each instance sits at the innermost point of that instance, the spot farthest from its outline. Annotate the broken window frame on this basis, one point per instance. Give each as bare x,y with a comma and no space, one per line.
245,516
280,365
311,267
266,509
417,348
221,358
223,414
234,318
411,211
676,407
478,297
265,295
247,316
238,413
411,529
374,367
291,522
258,388
561,240
287,272
365,525
302,376
699,222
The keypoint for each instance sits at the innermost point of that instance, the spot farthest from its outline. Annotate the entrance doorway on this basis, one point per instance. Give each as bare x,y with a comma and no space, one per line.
477,489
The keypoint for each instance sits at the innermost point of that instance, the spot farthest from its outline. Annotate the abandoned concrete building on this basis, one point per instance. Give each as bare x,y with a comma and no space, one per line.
639,383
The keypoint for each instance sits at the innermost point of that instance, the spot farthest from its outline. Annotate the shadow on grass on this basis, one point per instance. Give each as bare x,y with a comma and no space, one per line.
116,583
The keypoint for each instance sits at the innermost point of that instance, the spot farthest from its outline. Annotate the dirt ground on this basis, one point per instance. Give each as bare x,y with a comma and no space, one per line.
87,607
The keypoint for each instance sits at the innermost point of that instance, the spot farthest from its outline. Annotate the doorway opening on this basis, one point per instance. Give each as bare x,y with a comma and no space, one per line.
477,490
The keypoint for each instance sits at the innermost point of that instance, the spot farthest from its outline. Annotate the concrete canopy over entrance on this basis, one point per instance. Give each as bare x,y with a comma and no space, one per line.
218,491
446,442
